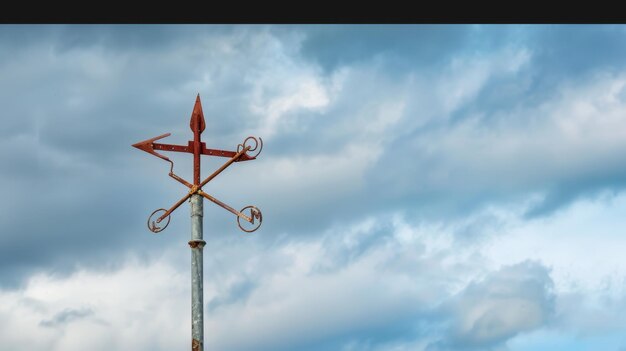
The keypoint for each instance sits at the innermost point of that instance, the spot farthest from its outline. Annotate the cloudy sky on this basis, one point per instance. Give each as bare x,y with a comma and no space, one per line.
423,187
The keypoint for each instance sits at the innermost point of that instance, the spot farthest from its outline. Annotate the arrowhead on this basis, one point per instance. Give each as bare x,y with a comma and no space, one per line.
197,117
146,146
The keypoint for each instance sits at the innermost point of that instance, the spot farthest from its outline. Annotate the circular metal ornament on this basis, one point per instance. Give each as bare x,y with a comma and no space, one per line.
255,213
258,144
152,225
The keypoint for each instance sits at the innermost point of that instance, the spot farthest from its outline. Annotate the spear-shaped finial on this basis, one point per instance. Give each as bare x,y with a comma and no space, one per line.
197,117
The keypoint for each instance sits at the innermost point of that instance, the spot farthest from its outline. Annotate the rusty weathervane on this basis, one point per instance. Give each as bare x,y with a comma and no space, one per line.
159,219
248,150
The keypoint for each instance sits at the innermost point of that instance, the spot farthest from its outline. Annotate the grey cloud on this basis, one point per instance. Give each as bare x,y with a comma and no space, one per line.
65,37
412,175
333,46
585,47
489,312
563,49
367,316
383,297
389,288
76,192
561,169
66,316
71,181
352,245
591,186
237,292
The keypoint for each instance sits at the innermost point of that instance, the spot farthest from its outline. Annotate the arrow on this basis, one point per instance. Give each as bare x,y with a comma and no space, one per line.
148,147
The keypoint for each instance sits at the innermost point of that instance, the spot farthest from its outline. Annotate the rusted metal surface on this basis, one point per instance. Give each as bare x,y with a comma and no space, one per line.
196,345
254,213
153,224
223,167
195,243
148,146
175,206
181,180
224,153
197,117
258,144
197,127
248,150
203,150
196,188
224,206
170,147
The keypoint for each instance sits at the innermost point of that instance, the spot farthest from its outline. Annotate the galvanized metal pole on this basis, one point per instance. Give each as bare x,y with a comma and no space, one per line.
197,305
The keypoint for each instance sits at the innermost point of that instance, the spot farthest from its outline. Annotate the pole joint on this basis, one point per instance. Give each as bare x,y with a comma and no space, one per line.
197,243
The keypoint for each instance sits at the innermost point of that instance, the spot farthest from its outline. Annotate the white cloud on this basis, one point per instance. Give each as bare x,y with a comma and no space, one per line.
382,275
572,143
123,309
283,84
393,276
582,244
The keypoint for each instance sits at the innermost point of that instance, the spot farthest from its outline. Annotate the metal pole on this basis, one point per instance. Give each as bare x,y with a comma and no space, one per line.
197,306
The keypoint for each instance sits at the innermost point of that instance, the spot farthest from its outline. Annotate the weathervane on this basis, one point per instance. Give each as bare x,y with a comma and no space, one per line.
195,194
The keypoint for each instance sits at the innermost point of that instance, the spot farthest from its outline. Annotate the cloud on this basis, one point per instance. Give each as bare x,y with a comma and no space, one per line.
128,307
378,285
364,137
75,94
238,292
66,316
402,167
567,242
564,147
336,46
372,285
507,302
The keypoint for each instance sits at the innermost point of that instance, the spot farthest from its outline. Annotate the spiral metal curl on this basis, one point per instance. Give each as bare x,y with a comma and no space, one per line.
257,144
153,227
254,213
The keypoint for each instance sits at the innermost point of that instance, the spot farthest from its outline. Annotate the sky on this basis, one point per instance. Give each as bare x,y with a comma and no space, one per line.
423,187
